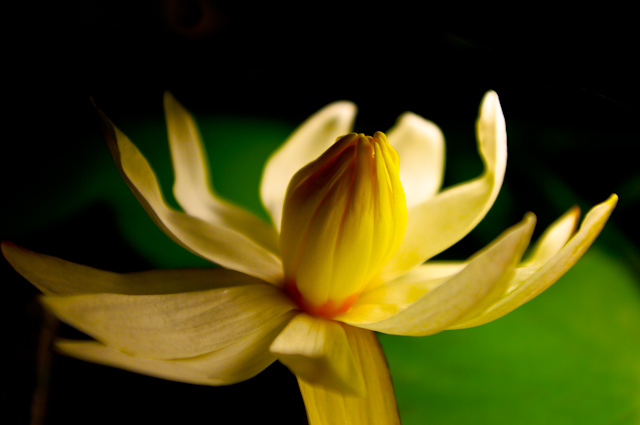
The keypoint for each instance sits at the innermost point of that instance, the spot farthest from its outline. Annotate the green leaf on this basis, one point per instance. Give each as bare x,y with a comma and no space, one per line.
570,356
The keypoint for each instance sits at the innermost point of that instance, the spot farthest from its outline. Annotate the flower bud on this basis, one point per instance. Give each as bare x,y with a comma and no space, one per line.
344,216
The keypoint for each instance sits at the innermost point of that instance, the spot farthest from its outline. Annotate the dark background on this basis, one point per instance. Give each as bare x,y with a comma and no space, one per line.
567,83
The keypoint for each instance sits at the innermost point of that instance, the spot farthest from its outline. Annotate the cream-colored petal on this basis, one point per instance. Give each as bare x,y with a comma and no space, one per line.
306,143
439,222
378,407
193,188
529,281
430,271
420,145
385,300
212,241
553,239
481,282
317,351
236,362
55,276
174,325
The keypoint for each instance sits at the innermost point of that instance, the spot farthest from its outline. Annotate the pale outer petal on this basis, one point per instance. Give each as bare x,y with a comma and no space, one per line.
482,281
531,280
378,407
420,146
439,222
193,189
236,362
174,325
553,239
212,241
55,276
429,271
317,351
306,143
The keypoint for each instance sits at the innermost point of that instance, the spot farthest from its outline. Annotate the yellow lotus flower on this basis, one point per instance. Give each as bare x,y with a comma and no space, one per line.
354,221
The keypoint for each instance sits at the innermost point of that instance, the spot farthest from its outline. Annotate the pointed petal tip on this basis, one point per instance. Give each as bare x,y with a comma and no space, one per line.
612,201
491,110
346,104
168,99
107,130
574,210
490,104
603,210
527,224
490,95
528,217
13,252
173,109
5,245
420,122
344,109
10,250
340,108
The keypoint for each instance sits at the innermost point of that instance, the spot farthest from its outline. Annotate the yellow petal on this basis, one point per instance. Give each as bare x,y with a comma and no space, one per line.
212,241
420,145
344,217
402,311
439,222
174,325
236,362
305,144
54,276
192,187
430,271
531,280
553,239
317,351
325,407
386,300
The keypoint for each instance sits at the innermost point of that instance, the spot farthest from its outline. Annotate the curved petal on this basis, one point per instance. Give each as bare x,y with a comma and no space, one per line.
554,238
212,241
326,407
55,276
305,144
175,325
420,145
439,222
317,351
531,280
386,300
481,282
433,270
192,187
237,362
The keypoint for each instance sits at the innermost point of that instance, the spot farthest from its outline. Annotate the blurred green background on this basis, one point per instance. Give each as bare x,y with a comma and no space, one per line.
569,91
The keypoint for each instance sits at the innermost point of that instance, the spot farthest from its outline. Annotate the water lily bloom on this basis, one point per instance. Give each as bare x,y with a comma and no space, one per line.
354,220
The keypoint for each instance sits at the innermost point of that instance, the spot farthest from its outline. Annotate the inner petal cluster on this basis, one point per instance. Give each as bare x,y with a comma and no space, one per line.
344,216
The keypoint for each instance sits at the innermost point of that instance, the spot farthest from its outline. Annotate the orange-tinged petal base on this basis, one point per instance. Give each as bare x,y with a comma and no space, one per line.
328,310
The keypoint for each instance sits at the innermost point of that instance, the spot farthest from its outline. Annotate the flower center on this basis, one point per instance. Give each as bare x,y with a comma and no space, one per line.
344,217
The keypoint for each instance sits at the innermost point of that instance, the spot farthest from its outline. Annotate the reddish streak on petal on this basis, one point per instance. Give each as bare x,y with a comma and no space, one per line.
328,310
